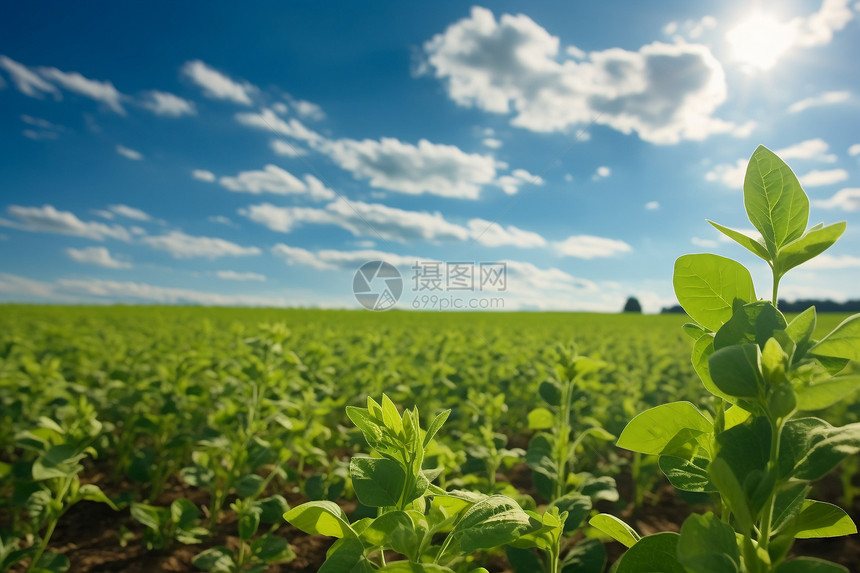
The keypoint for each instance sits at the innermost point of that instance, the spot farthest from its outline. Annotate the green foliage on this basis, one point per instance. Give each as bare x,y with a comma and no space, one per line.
747,354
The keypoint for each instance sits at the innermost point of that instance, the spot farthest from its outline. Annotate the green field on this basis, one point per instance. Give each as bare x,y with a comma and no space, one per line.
205,407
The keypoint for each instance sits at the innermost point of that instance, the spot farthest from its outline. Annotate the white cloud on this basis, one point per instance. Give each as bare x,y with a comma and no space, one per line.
391,164
827,98
47,219
360,219
815,149
492,143
96,256
284,148
129,153
269,120
141,291
26,80
234,276
168,105
602,172
182,246
221,219
705,243
273,179
216,85
854,149
104,214
38,122
102,91
690,29
203,175
130,212
664,92
652,206
39,135
330,259
818,29
510,184
495,235
308,110
818,178
591,247
728,174
21,286
280,107
831,262
845,199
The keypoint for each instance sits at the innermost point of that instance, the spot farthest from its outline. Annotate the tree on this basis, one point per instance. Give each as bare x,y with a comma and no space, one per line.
632,305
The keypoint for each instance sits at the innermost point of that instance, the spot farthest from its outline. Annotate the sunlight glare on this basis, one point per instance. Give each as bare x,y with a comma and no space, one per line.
760,40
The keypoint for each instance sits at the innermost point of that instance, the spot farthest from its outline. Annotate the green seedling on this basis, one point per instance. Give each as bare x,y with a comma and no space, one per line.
759,450
164,525
432,529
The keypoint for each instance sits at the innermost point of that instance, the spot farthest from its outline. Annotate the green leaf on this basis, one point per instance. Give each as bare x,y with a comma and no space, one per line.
824,448
827,393
801,328
652,430
810,245
735,370
809,565
615,528
249,521
150,516
491,522
249,485
378,482
435,426
407,567
776,204
320,518
393,529
842,342
58,462
92,492
271,549
53,562
577,507
343,556
819,519
652,554
707,545
732,492
749,243
523,560
184,513
752,323
550,391
709,286
216,559
687,475
587,556
702,351
540,419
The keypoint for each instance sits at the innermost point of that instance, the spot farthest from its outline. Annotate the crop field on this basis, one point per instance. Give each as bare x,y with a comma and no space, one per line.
175,438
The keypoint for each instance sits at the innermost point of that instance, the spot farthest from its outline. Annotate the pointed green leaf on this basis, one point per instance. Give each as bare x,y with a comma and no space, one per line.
492,522
819,519
709,286
707,545
378,482
827,393
808,246
615,528
651,554
652,430
743,240
320,518
736,370
842,342
776,204
435,426
687,475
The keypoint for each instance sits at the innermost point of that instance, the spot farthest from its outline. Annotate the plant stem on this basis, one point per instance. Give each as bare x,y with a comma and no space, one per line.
767,518
43,543
563,437
775,288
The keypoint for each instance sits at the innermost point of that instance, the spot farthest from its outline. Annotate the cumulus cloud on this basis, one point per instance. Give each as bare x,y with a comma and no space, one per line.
308,109
101,91
814,149
845,200
602,172
492,142
284,148
730,175
819,178
652,206
182,246
219,86
330,259
496,235
234,276
273,179
168,104
21,286
26,80
591,247
129,153
818,28
203,175
511,184
827,98
99,256
854,149
129,212
47,219
268,120
664,92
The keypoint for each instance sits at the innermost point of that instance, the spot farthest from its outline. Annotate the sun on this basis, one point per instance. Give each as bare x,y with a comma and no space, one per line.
760,40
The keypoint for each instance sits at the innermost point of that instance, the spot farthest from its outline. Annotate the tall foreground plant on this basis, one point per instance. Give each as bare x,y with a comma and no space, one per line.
758,450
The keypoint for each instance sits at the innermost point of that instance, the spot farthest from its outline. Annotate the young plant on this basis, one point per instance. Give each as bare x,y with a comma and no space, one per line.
755,451
433,529
179,522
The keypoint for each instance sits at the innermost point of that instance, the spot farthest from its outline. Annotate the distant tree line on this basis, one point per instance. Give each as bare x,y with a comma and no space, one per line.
796,306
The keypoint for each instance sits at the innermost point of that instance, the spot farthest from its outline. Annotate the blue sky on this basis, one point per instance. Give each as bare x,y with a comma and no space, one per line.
259,153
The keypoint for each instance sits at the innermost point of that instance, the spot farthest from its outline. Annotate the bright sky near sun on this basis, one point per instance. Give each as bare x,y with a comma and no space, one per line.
258,153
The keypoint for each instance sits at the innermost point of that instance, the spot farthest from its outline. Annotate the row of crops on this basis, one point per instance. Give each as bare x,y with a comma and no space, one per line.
200,428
